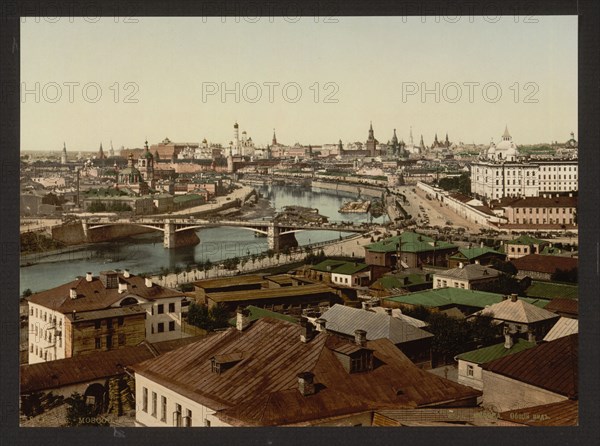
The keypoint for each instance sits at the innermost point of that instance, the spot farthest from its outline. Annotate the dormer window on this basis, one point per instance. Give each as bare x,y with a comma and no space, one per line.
221,363
354,359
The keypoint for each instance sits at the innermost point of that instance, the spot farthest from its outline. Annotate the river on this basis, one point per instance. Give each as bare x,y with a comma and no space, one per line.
146,254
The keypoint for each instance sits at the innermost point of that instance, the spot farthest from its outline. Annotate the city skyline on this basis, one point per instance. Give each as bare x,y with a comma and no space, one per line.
351,61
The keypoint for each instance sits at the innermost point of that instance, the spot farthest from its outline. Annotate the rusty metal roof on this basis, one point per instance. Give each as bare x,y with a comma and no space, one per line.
262,388
269,293
94,296
83,368
517,311
226,282
544,264
551,366
563,413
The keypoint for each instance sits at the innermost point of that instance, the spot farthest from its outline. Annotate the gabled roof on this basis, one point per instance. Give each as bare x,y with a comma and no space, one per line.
410,242
397,313
544,264
262,388
475,253
566,306
493,352
526,240
339,267
517,311
563,327
470,272
347,320
441,297
94,296
551,366
397,281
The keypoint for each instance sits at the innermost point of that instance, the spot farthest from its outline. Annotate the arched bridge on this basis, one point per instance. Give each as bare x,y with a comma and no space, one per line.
171,226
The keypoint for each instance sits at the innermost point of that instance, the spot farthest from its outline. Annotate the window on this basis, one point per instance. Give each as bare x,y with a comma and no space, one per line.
120,321
188,418
154,404
172,307
161,327
109,342
31,348
469,370
172,326
163,409
177,415
109,323
31,311
161,308
98,343
144,399
206,422
121,338
97,324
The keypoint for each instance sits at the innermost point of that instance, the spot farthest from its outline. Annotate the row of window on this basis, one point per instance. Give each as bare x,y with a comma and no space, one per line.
550,221
442,283
160,308
109,323
46,334
178,420
160,327
44,315
40,352
109,341
537,210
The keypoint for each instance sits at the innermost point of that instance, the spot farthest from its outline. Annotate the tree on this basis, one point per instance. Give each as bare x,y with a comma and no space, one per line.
27,293
81,414
198,316
219,316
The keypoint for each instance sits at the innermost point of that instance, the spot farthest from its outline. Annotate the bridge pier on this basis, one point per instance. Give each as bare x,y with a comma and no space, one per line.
169,238
273,237
84,225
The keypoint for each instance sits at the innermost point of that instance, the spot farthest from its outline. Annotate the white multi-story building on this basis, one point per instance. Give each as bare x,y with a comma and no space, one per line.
500,172
91,314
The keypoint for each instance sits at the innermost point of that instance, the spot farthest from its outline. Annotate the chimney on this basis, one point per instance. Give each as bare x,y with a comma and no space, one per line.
364,305
477,262
122,287
360,337
126,273
73,293
461,265
388,311
508,340
306,330
321,324
88,277
481,245
74,314
148,282
306,384
241,319
513,297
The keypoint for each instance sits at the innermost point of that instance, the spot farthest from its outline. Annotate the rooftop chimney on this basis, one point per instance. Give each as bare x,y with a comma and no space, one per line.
122,287
388,311
148,282
88,277
306,384
321,324
508,340
126,273
461,265
513,297
477,262
481,245
360,337
364,305
306,330
241,320
73,293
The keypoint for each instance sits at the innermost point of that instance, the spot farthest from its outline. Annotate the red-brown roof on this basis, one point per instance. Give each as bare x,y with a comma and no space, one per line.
262,388
551,366
94,296
84,368
544,264
538,202
563,413
565,306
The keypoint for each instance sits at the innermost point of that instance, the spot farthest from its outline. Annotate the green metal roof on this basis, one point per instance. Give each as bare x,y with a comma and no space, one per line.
187,197
397,281
526,240
552,290
440,297
411,242
339,266
493,352
473,253
257,313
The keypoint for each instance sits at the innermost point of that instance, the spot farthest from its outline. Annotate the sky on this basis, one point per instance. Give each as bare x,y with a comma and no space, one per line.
187,79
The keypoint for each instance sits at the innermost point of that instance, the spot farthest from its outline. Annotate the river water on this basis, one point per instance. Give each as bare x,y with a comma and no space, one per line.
146,254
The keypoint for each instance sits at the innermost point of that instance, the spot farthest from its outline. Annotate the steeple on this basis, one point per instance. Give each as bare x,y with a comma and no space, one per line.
274,142
506,136
394,138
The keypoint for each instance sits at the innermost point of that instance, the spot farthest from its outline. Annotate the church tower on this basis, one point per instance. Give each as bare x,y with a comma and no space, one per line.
371,142
274,141
101,154
146,165
63,156
236,138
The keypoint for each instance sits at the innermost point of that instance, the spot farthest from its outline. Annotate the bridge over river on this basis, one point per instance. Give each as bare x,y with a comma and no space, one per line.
172,227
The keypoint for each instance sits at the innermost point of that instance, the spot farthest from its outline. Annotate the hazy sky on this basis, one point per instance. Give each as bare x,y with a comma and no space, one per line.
366,64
